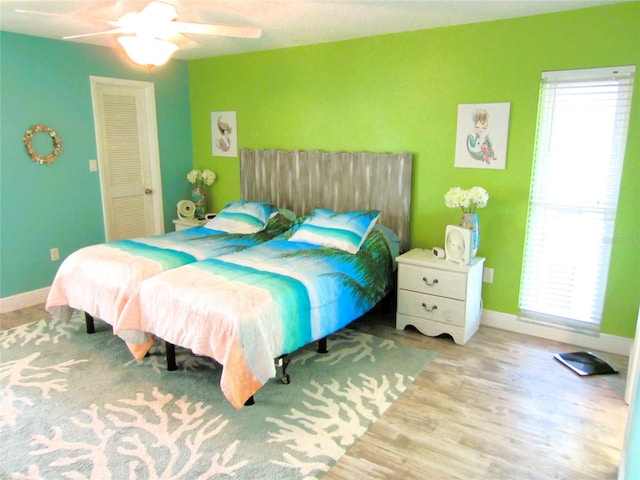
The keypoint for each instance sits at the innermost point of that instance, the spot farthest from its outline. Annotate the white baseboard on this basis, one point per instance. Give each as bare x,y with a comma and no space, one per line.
602,342
23,300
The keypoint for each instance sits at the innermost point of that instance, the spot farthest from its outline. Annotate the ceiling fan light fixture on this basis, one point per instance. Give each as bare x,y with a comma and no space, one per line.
149,52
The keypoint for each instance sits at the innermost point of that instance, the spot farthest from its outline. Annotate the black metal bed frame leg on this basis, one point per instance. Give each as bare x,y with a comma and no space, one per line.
250,401
171,356
283,363
88,320
322,345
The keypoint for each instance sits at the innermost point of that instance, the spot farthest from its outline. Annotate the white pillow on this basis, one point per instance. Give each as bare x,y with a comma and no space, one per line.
242,217
346,231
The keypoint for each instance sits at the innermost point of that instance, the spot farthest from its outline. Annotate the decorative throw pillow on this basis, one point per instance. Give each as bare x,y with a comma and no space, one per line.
346,231
242,217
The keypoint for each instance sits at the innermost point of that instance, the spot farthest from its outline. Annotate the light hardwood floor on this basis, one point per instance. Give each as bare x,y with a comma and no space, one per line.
499,407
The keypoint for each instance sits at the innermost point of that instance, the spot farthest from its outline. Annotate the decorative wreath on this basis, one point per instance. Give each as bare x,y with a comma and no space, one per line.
57,144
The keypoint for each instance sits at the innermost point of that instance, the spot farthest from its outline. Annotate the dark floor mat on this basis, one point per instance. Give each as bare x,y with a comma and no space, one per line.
585,363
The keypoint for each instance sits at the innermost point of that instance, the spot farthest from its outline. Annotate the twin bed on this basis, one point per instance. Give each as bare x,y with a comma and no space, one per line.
247,298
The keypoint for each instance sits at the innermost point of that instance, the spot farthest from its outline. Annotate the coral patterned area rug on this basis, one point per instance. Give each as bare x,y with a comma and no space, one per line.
77,406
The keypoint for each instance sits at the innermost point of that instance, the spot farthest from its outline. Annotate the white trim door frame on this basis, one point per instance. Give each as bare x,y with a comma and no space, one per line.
629,467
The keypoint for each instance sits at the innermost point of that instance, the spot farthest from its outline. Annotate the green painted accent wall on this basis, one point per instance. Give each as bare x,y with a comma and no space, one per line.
401,92
59,205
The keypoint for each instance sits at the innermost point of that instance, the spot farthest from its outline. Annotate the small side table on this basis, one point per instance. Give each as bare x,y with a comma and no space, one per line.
182,224
438,296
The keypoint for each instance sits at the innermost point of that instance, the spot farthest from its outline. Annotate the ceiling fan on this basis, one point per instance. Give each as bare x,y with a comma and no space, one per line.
146,34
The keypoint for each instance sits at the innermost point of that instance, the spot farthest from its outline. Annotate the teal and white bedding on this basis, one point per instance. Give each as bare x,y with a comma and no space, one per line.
100,279
247,308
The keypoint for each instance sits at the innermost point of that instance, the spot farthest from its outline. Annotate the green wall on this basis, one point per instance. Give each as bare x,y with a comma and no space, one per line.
59,205
400,92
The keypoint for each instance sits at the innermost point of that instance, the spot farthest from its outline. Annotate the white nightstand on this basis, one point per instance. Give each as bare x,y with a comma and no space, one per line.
437,296
182,224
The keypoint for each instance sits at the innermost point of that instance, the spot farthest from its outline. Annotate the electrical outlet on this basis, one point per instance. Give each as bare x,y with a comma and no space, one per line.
487,275
93,165
55,254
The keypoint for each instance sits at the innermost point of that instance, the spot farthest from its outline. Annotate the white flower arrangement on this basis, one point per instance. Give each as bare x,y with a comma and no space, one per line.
467,200
201,177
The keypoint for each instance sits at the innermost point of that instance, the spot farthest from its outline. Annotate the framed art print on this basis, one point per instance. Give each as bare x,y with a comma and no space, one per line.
457,244
224,134
481,135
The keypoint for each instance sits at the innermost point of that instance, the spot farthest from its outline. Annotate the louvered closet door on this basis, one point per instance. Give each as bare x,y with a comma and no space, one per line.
126,136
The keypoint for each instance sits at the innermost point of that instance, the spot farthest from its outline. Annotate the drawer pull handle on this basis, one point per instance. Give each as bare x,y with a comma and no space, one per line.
426,307
426,280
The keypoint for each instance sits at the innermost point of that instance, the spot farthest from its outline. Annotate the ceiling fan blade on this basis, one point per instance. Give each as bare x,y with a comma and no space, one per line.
183,41
37,12
223,30
159,12
66,16
93,34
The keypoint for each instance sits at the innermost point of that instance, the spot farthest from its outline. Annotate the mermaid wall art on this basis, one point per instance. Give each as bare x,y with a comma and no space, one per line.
481,138
224,136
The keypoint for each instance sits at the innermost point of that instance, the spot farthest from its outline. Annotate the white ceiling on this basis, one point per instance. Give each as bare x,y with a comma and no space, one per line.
284,23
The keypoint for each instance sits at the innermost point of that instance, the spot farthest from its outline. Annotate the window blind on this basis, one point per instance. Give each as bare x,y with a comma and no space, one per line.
579,153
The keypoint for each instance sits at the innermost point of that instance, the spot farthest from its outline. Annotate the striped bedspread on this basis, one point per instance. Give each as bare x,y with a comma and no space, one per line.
100,279
247,308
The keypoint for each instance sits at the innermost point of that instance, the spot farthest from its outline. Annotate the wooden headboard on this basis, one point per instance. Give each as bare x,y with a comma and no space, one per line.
339,181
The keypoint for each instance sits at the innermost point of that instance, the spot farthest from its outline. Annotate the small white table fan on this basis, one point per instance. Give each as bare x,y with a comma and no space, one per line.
186,210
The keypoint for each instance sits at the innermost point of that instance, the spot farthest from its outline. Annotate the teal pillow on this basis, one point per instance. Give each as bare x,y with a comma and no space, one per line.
346,231
242,217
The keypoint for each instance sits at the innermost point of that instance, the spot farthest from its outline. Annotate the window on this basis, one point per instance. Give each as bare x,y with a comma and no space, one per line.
580,142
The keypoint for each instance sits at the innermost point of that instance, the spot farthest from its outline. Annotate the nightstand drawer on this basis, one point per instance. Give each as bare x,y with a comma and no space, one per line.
431,307
432,281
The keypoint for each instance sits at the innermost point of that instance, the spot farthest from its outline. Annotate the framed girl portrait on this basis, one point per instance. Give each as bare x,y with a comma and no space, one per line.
481,135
